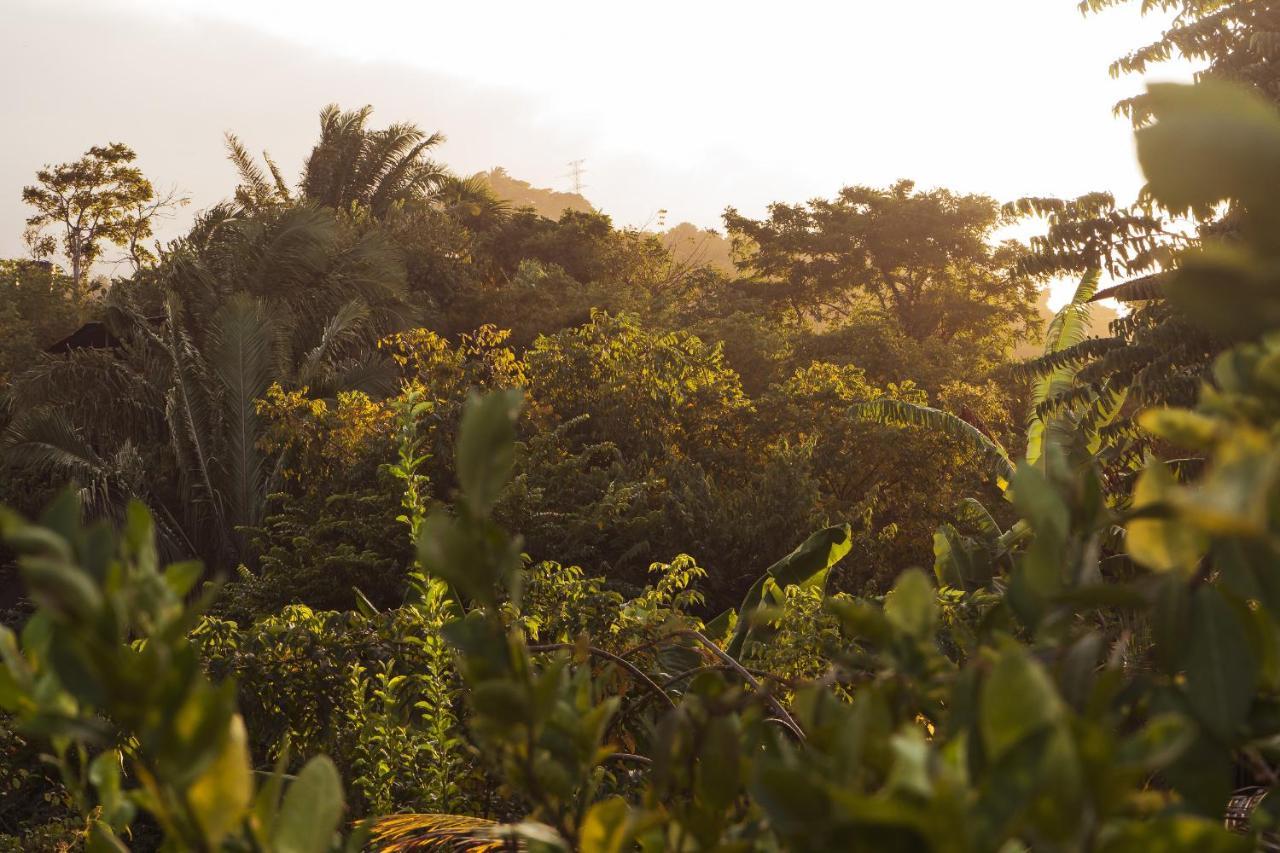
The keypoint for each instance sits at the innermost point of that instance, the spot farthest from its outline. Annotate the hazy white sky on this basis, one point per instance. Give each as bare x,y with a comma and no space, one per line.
688,106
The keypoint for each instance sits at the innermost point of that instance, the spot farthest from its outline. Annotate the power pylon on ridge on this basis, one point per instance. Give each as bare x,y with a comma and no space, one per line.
575,175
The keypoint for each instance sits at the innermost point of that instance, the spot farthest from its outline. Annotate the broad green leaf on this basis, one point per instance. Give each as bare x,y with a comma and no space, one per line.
717,778
1018,699
910,772
816,554
912,605
220,795
1170,616
1162,544
1040,503
311,810
1233,497
1172,834
606,828
1183,427
1221,666
25,538
102,840
181,577
1159,743
61,587
1210,142
957,562
486,448
792,798
105,773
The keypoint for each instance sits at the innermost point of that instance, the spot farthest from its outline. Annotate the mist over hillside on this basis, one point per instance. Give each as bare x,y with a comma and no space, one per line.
688,243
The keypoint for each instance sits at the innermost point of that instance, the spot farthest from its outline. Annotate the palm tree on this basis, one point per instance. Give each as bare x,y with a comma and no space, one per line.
287,296
472,202
351,164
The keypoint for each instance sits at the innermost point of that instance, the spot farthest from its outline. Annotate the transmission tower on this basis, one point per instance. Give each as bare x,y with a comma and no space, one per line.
575,175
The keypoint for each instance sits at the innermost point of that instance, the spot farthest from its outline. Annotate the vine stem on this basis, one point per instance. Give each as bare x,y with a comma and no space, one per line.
623,662
784,716
728,661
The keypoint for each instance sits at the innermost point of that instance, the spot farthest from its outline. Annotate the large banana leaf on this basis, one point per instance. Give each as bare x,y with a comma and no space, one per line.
1068,328
808,563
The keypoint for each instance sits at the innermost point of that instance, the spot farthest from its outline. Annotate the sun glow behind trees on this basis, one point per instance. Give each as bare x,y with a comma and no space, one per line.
687,107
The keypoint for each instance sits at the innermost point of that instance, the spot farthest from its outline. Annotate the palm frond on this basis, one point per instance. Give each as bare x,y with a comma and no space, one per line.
1142,289
371,374
255,190
899,413
190,412
241,358
251,177
445,832
282,187
345,325
1071,358
45,441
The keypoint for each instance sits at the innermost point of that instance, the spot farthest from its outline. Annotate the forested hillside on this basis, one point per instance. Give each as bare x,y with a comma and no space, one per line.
393,509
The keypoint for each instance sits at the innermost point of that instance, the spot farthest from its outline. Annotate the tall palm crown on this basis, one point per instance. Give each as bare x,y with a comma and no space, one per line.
350,164
375,168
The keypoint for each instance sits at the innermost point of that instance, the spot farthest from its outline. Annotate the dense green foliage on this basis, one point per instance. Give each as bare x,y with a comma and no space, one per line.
364,512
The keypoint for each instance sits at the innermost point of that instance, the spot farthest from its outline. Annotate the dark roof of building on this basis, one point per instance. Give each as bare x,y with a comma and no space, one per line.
92,335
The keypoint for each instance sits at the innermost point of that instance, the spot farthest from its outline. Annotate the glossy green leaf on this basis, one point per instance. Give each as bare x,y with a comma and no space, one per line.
1162,544
912,606
607,828
1018,699
221,794
311,811
486,448
1221,666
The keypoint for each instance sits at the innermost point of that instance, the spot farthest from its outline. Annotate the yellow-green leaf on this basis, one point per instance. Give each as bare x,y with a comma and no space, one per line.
220,795
1162,544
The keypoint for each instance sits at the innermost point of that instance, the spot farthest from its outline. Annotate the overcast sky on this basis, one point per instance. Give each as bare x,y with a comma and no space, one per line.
688,105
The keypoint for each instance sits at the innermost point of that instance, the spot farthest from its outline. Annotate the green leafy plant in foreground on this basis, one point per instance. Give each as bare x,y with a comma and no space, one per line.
1097,682
1092,678
106,674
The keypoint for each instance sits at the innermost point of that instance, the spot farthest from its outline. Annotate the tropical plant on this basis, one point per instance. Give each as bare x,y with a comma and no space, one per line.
292,298
1019,712
1232,40
105,674
351,164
